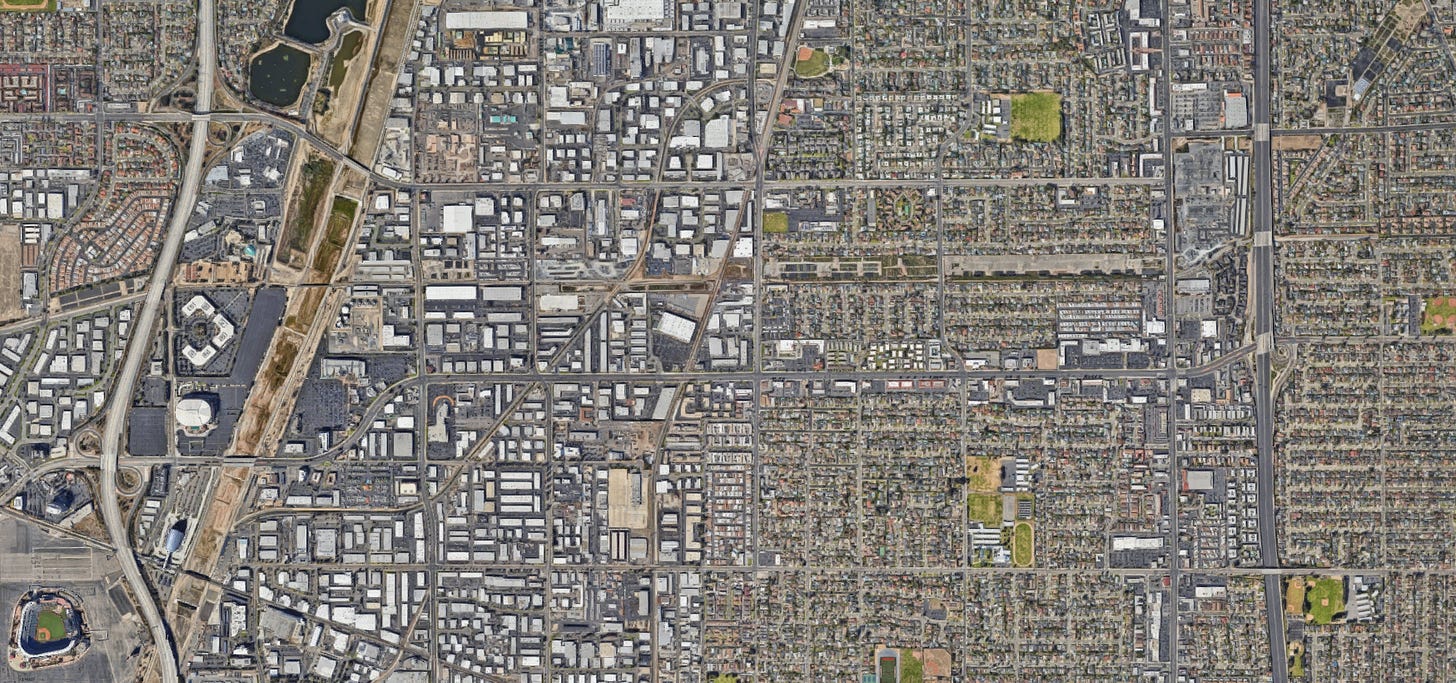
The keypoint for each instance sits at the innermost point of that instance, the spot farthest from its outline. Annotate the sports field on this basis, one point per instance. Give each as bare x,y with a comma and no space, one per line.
1023,549
984,508
50,625
1325,600
1296,659
27,5
983,474
1294,590
811,62
1036,117
912,670
1439,316
888,669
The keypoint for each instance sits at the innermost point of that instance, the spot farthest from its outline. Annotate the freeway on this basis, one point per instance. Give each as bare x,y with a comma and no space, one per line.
1262,297
140,345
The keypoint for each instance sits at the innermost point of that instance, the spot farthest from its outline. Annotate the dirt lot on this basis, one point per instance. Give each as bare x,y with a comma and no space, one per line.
217,519
1293,143
261,401
338,121
10,272
397,28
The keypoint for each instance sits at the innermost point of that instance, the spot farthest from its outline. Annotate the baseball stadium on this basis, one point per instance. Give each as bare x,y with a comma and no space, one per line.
47,629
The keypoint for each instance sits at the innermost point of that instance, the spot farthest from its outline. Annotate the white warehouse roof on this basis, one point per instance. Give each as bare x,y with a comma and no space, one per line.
485,21
677,327
632,11
451,293
456,219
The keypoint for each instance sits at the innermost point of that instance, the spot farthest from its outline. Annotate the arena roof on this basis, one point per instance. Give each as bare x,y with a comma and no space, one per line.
193,413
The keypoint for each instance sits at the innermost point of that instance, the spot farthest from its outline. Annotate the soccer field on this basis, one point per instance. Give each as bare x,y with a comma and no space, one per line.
1036,117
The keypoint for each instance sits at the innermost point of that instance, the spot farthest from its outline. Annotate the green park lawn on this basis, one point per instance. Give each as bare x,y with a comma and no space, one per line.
775,222
984,508
1296,666
1036,117
1325,600
912,670
816,65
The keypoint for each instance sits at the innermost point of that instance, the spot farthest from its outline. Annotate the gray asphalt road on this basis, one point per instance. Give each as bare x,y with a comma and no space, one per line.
1262,280
140,344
